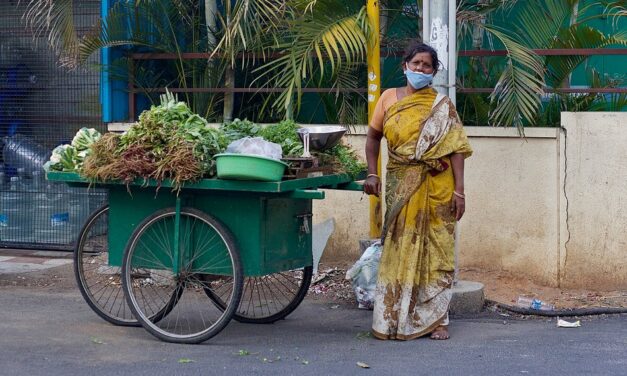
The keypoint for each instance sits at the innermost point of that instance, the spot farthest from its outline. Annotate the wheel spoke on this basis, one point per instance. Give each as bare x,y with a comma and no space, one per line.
204,245
98,281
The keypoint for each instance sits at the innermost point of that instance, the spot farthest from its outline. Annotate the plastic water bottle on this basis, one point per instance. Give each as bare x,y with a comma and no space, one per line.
53,218
38,181
20,151
78,206
533,303
13,214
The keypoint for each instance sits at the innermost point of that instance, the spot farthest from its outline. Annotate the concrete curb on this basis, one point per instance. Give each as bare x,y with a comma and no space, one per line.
468,297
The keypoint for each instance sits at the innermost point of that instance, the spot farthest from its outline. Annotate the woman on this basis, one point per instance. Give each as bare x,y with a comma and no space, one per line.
424,197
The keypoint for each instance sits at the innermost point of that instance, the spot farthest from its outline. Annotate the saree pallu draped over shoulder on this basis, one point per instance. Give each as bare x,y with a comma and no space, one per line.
416,269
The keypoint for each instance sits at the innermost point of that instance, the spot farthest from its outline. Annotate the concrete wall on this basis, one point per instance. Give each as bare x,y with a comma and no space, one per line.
551,206
594,237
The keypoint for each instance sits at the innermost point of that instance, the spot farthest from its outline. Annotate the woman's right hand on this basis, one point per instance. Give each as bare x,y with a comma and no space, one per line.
372,185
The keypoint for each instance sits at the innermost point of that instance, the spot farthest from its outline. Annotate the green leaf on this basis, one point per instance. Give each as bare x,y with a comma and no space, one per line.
98,341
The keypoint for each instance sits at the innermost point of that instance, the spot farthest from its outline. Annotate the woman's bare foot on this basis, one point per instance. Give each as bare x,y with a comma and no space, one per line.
440,332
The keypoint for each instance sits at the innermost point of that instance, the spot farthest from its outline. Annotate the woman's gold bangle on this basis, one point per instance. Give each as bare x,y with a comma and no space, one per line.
375,175
459,195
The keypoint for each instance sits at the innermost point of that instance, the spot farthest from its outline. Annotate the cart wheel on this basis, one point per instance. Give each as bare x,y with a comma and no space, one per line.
99,283
268,298
205,246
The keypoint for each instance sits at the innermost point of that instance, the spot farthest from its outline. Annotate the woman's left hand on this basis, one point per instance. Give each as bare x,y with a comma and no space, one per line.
458,206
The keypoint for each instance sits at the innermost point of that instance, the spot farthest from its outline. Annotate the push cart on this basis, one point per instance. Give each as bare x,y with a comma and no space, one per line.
183,264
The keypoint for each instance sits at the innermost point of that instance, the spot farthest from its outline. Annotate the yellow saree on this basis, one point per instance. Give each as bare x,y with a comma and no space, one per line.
416,269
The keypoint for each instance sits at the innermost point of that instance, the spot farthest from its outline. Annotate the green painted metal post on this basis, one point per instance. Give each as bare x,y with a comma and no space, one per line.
176,261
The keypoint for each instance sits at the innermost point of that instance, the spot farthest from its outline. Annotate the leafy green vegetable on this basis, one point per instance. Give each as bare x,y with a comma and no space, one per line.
168,142
284,134
63,158
343,159
84,138
71,157
239,129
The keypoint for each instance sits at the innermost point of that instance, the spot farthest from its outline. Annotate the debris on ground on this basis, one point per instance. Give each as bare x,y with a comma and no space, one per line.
330,284
567,324
505,288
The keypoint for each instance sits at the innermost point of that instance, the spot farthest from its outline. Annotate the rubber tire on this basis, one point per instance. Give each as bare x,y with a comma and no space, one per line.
83,288
238,277
77,257
298,298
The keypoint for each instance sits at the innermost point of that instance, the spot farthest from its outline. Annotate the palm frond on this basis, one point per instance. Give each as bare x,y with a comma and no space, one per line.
248,25
149,24
577,36
56,19
322,42
471,14
517,93
539,21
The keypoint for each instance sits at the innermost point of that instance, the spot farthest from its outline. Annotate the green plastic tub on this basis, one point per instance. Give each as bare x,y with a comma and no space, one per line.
248,167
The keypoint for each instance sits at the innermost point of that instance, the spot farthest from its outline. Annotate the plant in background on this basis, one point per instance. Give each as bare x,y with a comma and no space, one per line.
550,24
296,44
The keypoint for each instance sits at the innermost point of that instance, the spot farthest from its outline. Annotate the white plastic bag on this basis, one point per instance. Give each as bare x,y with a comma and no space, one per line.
363,275
255,146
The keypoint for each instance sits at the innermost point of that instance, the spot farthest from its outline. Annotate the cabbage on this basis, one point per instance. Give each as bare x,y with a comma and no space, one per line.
63,158
84,138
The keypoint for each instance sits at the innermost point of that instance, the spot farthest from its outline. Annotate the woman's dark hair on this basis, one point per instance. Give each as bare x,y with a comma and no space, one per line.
415,47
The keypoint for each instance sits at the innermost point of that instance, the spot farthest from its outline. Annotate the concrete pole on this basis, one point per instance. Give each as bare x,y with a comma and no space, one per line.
440,32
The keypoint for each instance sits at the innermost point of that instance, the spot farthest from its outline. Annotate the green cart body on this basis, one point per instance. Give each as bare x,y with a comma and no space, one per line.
189,261
271,221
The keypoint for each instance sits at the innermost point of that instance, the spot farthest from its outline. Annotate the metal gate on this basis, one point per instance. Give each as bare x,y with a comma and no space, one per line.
41,106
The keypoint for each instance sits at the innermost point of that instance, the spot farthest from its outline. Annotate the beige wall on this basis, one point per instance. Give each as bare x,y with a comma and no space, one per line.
552,206
594,242
512,189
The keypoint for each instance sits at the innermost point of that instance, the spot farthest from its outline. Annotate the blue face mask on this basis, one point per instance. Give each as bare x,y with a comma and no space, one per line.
418,80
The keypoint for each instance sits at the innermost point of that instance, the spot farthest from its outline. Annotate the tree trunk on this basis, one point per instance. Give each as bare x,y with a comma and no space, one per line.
229,77
229,81
211,9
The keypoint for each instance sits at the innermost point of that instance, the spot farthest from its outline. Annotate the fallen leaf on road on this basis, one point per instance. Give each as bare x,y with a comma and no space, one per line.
363,335
245,352
363,365
186,360
98,341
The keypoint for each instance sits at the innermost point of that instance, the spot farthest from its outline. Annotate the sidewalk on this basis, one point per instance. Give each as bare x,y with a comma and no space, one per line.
26,261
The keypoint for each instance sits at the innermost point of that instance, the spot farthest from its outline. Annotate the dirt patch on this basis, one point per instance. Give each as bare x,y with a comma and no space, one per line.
330,285
56,279
500,287
503,287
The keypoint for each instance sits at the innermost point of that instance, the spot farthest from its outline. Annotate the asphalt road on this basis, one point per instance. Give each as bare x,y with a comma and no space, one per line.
55,333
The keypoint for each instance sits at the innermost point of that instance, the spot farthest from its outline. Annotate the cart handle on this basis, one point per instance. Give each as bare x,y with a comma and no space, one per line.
308,194
350,186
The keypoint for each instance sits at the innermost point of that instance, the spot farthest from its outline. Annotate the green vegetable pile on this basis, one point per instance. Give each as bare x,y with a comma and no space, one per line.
170,142
341,158
284,134
71,157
